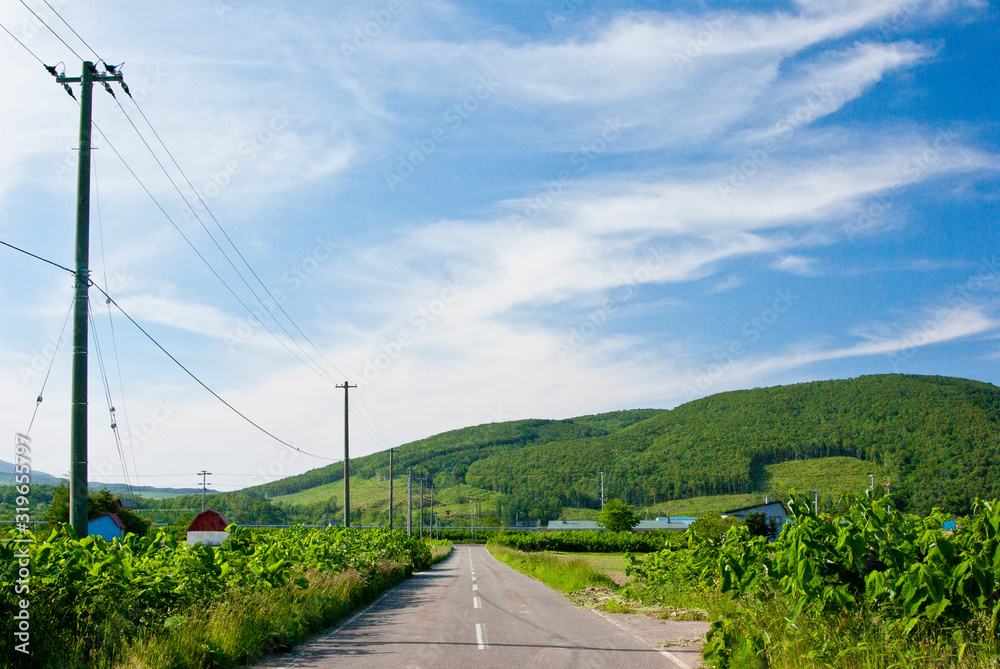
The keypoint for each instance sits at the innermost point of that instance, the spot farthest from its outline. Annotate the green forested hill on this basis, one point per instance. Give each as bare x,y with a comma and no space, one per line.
936,438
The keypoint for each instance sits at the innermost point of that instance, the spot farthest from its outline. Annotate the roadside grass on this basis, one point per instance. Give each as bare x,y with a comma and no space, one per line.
598,581
440,549
560,572
246,626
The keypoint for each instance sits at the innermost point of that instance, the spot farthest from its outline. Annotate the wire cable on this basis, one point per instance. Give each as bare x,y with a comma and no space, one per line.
202,383
13,37
200,255
28,253
52,361
124,313
111,320
78,56
110,400
41,393
318,368
376,433
71,30
226,235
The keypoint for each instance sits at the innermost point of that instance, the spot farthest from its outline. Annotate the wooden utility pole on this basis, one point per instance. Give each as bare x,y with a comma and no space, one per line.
347,460
409,502
78,416
390,488
204,486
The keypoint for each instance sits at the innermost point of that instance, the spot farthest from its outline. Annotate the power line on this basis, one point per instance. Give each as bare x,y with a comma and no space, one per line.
375,432
14,37
78,56
186,239
111,320
229,239
45,260
198,253
110,401
71,30
202,383
177,362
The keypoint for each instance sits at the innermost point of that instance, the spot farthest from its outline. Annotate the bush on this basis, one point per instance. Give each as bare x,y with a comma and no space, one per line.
617,516
586,541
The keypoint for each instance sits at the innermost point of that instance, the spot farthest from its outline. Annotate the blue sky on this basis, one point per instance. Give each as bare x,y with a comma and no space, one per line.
493,211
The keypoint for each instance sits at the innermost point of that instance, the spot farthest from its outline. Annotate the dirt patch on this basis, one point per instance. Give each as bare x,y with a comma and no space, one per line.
604,599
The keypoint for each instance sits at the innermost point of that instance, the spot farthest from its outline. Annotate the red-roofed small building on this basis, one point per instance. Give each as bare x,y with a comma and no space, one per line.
208,528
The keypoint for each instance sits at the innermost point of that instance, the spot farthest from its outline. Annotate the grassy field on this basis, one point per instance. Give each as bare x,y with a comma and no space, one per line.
611,565
834,477
562,572
372,495
595,581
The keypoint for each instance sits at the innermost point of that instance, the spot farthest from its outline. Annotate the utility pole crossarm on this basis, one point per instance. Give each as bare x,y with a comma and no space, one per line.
204,487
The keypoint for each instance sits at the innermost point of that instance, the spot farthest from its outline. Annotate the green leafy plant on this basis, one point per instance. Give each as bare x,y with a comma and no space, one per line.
617,516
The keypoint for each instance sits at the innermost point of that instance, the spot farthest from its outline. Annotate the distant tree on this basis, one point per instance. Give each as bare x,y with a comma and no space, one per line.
713,527
757,524
773,528
617,516
99,503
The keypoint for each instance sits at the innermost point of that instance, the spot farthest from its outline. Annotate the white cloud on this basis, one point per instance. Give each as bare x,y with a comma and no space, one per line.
796,264
729,283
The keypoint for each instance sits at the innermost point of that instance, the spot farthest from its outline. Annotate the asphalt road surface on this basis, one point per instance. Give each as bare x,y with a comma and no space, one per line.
473,611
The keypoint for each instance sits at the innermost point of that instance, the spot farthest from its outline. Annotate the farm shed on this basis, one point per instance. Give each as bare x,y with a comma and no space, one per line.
208,528
572,525
109,527
661,524
775,511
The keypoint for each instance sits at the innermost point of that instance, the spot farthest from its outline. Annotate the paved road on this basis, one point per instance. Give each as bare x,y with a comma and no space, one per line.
473,611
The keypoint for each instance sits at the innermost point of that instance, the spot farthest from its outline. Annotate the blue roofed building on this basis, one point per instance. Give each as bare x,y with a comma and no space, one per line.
109,527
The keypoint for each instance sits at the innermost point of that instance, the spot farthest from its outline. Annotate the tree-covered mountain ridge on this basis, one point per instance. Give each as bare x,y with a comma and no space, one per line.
936,437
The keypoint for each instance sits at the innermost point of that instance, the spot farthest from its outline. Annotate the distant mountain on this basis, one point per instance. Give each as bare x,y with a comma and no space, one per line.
151,492
37,477
937,439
